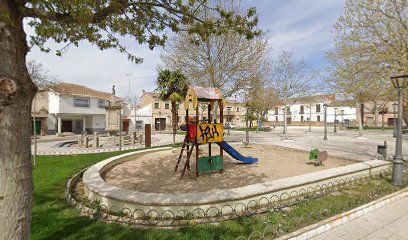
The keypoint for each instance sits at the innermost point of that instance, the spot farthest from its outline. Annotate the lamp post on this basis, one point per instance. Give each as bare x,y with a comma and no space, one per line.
399,81
342,119
335,120
247,126
310,117
229,119
159,122
395,108
120,129
325,121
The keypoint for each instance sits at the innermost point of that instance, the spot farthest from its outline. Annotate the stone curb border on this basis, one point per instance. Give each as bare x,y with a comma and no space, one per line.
97,188
327,224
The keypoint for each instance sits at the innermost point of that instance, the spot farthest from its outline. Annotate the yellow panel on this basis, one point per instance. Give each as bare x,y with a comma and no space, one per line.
210,133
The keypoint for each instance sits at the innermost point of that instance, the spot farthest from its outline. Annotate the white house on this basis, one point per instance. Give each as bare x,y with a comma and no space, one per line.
75,108
311,108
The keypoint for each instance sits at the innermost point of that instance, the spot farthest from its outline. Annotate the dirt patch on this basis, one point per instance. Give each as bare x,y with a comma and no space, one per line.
155,172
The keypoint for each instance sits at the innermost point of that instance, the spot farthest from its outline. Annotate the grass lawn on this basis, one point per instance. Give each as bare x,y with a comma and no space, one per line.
53,218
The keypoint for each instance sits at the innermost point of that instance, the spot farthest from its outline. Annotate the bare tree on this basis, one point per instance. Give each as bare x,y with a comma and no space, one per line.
361,79
375,31
39,75
291,80
226,61
376,28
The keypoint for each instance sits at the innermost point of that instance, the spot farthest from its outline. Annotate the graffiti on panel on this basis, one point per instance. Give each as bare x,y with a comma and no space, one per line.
209,133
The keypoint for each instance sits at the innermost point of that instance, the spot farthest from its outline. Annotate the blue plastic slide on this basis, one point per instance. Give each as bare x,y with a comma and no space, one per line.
231,151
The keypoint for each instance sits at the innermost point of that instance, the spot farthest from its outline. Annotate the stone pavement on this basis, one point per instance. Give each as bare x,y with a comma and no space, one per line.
389,222
344,143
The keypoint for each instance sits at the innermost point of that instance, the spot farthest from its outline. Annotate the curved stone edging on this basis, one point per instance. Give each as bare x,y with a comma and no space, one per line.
111,196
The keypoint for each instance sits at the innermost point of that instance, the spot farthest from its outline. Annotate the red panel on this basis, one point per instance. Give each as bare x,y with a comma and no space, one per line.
192,131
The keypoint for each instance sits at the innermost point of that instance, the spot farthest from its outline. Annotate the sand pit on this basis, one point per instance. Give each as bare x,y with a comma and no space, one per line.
154,172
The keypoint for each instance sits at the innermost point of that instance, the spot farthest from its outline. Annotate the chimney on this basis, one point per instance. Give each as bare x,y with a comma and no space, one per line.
143,92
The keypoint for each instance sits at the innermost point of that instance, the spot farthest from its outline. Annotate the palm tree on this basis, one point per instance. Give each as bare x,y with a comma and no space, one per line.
173,86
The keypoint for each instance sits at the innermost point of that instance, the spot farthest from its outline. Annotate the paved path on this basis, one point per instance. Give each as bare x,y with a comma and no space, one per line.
389,222
345,144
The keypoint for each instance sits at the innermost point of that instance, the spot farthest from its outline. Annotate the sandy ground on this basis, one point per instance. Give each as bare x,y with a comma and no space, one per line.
155,172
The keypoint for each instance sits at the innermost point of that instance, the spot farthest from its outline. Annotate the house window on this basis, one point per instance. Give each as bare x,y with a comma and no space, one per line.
301,118
167,106
318,108
318,118
101,103
139,124
276,118
276,111
177,106
156,105
81,102
237,109
302,109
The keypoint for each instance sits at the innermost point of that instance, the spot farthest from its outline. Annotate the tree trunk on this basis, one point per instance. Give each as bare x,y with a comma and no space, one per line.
285,123
175,120
360,120
377,115
16,94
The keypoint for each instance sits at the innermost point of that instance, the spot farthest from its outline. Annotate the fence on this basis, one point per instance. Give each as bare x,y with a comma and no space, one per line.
75,151
272,203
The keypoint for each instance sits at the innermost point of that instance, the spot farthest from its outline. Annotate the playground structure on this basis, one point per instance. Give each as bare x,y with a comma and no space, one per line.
206,131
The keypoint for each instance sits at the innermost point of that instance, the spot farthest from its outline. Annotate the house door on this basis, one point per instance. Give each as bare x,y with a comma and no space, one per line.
390,122
78,127
37,126
125,126
66,126
160,124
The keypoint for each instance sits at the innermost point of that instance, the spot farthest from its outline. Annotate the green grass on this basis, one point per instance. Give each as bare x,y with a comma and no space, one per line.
53,218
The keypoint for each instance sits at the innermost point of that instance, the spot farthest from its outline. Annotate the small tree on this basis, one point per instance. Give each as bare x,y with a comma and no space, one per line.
290,80
173,87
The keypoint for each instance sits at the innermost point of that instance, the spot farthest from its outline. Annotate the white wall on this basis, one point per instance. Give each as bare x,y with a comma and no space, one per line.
60,103
349,113
51,122
142,114
98,121
53,105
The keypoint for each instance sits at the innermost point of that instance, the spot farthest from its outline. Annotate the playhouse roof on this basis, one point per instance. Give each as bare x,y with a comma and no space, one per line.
207,93
196,94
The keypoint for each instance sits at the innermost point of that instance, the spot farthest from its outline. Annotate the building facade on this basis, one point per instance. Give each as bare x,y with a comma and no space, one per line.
73,108
153,110
380,113
311,108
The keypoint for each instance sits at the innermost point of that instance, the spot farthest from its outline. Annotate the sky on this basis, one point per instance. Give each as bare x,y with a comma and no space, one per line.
302,26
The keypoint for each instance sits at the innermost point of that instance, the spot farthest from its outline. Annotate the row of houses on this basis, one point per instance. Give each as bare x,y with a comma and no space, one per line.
311,109
67,107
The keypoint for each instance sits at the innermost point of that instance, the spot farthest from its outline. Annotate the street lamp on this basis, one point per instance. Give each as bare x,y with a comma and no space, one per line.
335,120
399,81
310,117
247,126
229,119
395,108
159,122
325,121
